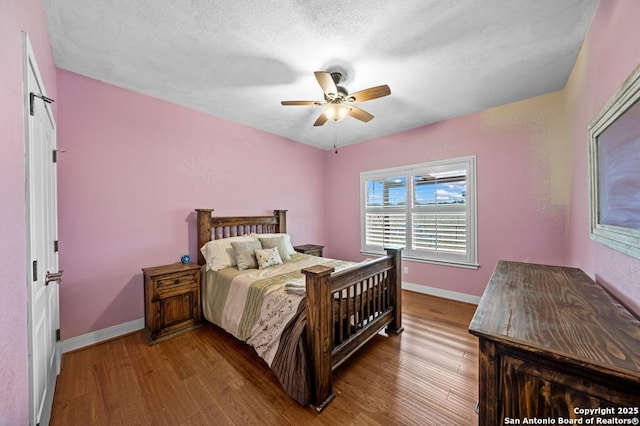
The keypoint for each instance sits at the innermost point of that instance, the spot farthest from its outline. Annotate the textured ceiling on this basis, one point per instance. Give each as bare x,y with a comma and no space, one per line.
239,59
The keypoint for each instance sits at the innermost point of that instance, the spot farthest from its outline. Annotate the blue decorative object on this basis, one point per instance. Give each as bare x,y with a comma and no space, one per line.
185,259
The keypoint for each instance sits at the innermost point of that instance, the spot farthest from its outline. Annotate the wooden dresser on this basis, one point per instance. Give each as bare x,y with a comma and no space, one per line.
553,344
172,300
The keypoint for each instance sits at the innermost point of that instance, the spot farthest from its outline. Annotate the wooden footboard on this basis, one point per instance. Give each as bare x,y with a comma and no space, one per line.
344,310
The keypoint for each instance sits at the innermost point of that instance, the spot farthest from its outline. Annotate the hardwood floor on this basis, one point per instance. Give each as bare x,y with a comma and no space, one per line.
428,375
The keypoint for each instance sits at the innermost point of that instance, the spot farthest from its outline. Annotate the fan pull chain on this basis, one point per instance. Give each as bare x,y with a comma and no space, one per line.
335,136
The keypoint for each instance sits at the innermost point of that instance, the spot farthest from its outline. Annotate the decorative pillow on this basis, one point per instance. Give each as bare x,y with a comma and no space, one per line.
287,241
220,254
245,252
278,242
268,257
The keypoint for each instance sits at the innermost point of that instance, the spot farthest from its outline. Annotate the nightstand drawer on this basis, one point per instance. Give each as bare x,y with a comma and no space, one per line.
167,282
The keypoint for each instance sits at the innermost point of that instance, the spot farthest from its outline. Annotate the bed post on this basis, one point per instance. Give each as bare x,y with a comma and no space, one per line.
395,290
204,231
320,333
282,220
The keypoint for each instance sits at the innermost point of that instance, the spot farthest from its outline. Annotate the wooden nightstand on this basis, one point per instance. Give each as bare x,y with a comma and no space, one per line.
312,249
171,300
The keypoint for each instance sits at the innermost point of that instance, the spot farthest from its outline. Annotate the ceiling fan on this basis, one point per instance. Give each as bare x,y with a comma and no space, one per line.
338,103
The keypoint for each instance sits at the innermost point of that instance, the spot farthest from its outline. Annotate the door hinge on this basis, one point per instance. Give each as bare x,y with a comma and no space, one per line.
33,95
34,267
55,154
57,335
55,246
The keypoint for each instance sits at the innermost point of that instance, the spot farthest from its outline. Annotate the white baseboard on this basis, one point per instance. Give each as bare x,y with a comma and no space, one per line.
135,325
446,294
102,335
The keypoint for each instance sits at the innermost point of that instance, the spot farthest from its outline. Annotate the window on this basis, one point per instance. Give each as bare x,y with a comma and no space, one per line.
428,208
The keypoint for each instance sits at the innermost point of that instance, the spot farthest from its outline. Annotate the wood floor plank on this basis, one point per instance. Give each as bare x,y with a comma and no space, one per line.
428,375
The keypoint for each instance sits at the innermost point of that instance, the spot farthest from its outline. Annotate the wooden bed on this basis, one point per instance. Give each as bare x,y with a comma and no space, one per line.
343,309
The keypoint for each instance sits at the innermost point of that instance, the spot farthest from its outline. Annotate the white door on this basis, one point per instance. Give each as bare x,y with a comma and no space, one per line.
42,234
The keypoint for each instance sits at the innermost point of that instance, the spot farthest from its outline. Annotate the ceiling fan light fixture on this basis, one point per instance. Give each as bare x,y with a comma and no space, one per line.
337,100
336,112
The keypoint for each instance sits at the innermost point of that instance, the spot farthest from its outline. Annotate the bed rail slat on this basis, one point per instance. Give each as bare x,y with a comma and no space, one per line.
361,316
348,317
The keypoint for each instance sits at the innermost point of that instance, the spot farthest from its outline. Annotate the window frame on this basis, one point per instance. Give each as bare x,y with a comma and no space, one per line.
467,260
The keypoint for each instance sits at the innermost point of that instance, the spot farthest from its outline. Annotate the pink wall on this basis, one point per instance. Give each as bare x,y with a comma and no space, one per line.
533,202
134,171
610,53
16,16
520,208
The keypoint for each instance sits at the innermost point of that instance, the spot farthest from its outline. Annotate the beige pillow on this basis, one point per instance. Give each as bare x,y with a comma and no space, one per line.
287,238
245,252
279,242
268,257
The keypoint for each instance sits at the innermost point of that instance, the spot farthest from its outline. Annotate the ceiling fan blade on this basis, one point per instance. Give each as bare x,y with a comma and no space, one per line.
326,83
301,103
322,118
360,114
370,93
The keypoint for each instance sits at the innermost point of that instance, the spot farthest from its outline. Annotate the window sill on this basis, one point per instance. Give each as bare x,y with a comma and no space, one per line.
432,262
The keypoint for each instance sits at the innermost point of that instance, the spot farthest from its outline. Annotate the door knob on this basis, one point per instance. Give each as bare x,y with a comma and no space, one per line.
53,276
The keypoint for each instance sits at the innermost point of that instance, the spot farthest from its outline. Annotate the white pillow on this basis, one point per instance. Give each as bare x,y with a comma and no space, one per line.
287,241
220,254
268,257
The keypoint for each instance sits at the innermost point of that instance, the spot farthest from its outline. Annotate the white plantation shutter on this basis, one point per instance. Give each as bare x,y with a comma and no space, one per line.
386,212
384,230
428,208
443,232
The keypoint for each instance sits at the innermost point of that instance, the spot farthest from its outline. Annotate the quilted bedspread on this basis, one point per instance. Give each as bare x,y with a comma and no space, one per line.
259,307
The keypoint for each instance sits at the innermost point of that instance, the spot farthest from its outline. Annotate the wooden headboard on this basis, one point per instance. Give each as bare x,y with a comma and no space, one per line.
214,228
